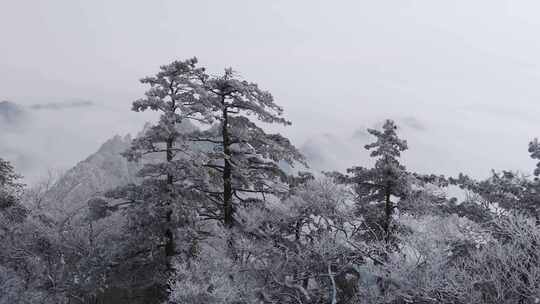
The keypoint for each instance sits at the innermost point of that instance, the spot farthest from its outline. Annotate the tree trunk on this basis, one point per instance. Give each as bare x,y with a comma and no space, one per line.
169,235
170,142
388,210
227,171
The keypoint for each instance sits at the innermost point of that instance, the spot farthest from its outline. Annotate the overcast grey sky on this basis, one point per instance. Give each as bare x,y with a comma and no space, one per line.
461,77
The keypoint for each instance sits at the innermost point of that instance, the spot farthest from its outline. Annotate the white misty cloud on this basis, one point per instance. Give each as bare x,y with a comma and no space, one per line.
413,123
470,87
11,115
62,105
58,138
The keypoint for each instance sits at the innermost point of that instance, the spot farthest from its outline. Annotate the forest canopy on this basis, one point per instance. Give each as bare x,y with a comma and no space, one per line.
214,208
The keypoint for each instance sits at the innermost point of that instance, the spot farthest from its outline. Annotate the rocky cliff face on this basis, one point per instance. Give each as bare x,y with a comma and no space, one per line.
101,171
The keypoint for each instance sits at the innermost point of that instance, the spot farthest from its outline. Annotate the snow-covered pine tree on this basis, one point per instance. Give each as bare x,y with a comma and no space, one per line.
10,187
377,188
18,277
244,161
174,93
243,167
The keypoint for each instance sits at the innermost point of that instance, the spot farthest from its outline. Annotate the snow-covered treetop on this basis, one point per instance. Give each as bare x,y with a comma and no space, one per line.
230,92
175,81
388,144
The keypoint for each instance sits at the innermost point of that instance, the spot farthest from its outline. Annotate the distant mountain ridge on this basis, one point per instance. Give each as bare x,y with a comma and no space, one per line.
107,168
101,171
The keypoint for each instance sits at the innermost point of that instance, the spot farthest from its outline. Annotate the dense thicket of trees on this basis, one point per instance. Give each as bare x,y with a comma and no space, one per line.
222,215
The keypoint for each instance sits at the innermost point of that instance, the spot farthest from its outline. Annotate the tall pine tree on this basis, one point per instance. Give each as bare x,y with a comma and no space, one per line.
245,162
377,189
174,93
